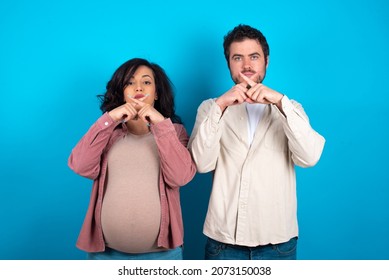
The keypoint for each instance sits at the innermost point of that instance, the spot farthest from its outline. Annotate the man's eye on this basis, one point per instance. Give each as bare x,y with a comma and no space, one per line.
254,57
237,58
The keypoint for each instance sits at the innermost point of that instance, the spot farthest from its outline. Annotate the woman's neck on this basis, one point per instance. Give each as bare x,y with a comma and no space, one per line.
137,127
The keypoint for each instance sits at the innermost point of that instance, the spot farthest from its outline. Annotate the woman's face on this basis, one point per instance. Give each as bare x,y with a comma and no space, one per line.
141,85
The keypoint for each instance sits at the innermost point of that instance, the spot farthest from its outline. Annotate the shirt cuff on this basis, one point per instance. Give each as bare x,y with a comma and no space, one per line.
215,112
286,105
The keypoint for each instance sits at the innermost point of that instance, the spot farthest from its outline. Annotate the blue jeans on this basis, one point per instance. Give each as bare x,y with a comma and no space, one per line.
215,250
111,254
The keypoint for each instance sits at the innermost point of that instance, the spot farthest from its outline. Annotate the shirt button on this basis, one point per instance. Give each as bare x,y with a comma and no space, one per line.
106,123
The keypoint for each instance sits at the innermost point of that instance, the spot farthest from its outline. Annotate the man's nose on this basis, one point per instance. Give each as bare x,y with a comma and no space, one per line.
246,63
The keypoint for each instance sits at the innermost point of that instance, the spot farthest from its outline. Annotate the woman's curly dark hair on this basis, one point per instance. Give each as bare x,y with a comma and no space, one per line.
114,96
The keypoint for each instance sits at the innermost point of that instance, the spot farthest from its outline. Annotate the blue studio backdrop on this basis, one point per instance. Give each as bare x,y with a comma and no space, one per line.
56,56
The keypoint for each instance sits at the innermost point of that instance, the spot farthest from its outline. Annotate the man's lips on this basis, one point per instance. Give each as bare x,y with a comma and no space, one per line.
248,74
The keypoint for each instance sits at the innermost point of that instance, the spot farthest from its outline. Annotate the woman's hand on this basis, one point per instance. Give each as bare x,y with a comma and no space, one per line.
123,113
146,112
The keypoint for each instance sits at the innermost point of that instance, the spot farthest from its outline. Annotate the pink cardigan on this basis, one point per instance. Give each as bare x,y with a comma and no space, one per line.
89,159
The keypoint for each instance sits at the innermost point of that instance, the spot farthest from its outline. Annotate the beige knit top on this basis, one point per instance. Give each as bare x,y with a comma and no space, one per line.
131,210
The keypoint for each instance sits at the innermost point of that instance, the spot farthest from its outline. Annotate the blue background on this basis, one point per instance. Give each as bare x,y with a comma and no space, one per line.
56,56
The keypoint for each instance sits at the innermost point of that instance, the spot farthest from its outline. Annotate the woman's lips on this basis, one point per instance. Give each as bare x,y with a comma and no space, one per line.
139,96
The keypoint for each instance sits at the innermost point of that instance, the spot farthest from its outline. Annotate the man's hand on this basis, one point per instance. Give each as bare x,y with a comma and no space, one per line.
236,95
259,93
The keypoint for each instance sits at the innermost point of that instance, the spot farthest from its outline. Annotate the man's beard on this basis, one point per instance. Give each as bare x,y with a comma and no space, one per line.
259,80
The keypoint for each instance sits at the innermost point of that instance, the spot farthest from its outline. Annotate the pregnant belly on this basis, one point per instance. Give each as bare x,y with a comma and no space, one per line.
131,226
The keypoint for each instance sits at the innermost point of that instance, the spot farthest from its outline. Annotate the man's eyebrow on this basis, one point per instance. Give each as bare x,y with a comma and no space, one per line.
251,54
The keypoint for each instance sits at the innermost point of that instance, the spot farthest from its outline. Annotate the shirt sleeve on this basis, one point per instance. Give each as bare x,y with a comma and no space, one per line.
204,142
177,165
305,144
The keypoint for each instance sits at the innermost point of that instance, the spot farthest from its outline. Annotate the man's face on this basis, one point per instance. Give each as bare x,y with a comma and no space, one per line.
247,57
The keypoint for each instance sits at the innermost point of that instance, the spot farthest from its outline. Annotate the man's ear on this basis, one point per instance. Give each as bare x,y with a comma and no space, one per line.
267,61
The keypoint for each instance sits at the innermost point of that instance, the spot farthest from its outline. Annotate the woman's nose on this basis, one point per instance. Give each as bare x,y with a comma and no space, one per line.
138,87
